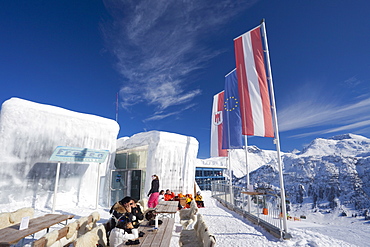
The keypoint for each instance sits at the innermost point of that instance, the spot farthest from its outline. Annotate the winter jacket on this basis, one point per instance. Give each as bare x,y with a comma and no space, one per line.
155,186
118,237
138,215
169,197
198,198
121,218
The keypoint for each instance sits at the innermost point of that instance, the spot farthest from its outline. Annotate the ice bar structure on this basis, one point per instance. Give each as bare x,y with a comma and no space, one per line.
172,157
30,132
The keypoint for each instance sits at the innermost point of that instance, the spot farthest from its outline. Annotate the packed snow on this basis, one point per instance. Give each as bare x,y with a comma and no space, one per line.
231,229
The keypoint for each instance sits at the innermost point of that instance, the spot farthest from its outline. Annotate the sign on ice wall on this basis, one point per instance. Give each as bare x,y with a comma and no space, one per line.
71,154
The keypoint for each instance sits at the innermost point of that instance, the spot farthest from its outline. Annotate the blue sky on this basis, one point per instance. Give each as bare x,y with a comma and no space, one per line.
168,58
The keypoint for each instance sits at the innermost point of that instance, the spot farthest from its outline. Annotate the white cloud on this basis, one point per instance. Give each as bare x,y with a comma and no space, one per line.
161,115
314,108
159,43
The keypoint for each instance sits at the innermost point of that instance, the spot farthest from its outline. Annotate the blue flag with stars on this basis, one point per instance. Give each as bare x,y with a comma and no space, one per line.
232,125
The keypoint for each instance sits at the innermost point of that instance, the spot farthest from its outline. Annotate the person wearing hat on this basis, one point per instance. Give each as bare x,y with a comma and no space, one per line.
121,224
199,200
154,192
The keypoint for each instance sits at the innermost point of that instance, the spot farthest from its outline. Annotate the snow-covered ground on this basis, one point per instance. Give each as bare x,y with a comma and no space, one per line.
230,229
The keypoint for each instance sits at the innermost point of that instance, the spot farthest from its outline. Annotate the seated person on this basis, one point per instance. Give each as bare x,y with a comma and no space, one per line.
199,200
121,224
161,196
120,208
189,198
137,215
123,233
168,196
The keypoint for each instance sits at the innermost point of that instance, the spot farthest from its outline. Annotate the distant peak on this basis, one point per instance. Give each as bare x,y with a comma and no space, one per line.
346,136
253,149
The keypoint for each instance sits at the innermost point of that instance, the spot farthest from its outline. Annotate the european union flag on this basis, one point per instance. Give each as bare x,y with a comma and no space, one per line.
232,127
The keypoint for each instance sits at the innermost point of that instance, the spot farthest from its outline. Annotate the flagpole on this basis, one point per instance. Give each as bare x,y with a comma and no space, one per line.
117,107
231,179
247,173
277,141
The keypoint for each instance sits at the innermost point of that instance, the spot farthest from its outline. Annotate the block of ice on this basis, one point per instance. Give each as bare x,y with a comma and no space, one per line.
170,156
29,133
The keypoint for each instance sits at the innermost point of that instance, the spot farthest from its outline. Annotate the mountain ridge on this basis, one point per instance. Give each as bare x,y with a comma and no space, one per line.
327,174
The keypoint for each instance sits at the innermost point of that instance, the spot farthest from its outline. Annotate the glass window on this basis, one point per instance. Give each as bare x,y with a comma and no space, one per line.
143,154
121,161
118,179
133,160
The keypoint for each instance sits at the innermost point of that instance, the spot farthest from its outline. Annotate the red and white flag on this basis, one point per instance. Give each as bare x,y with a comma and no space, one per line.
216,126
252,85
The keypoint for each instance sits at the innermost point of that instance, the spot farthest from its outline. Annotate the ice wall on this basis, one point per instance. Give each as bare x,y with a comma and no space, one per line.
29,133
171,156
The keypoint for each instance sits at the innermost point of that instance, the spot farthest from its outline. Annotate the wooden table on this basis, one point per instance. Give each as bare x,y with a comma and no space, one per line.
157,238
165,207
11,235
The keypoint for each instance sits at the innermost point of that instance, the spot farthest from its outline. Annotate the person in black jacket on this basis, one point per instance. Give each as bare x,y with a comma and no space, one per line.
154,192
121,225
137,213
121,209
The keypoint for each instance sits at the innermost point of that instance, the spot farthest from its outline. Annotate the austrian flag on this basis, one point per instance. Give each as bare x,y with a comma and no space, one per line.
252,85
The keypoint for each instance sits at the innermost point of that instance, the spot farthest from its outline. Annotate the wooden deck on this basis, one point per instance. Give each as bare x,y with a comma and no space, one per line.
11,234
157,238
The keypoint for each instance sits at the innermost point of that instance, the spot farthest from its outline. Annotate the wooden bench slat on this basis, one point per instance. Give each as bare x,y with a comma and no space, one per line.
61,234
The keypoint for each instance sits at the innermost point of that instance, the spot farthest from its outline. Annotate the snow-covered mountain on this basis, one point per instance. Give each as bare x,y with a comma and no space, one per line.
342,145
327,174
256,158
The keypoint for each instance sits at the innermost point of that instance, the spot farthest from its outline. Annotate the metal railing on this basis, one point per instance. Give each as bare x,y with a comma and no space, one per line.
262,208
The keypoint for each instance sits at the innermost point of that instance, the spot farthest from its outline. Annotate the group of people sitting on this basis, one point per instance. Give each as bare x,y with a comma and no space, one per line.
124,223
126,214
155,196
170,196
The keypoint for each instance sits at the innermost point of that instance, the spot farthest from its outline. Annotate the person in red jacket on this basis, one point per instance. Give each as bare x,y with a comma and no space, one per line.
168,196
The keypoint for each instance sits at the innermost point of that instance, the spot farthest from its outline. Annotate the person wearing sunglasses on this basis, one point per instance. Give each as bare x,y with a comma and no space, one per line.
121,223
138,215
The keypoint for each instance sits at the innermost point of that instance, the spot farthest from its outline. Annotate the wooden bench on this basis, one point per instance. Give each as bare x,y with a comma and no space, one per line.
96,237
69,233
161,237
188,215
11,234
197,237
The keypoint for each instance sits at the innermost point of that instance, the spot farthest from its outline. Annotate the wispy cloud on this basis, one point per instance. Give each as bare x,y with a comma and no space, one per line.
158,44
315,108
161,115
